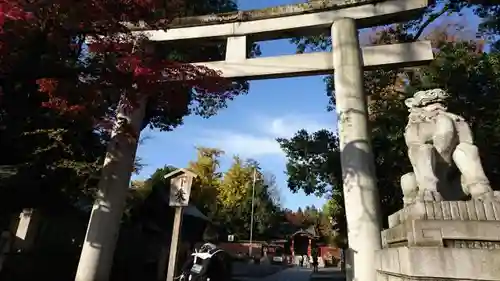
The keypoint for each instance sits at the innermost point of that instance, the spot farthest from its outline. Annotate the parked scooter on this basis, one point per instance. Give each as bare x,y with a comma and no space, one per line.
209,263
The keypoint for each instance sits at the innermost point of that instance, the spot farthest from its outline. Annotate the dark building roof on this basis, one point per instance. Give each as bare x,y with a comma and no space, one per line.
192,211
310,231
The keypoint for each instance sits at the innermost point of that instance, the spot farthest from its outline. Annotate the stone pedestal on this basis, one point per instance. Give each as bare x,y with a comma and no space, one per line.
450,240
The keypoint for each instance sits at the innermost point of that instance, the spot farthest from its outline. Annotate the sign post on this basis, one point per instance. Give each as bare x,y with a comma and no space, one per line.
180,190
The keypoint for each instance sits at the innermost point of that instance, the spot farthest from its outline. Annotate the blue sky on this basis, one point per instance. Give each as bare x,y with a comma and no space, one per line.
250,124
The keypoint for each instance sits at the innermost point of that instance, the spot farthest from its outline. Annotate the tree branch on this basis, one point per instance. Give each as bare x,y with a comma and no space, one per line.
430,20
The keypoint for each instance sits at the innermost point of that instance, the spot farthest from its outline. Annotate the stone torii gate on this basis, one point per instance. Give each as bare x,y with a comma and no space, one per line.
340,19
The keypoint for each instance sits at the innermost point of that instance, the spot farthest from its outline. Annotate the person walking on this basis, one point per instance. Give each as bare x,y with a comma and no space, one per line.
209,262
315,259
307,262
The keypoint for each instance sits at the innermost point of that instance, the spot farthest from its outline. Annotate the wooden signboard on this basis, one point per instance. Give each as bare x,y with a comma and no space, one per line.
180,187
180,190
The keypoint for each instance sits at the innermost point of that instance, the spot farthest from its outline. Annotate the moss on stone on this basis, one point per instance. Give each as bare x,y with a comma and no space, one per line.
312,6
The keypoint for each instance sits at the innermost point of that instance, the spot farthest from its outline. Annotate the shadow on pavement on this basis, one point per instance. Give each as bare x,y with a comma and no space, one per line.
285,273
244,270
328,274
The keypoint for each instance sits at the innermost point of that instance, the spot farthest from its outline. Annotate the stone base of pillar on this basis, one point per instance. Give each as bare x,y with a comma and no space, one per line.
450,240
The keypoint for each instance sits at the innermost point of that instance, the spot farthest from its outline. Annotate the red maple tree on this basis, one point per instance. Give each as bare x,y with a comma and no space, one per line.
78,58
80,54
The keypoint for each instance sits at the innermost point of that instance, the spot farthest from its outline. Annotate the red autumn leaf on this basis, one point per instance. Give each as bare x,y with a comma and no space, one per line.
83,59
47,85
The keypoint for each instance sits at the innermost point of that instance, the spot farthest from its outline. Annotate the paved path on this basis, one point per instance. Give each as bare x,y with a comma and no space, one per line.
289,274
328,274
246,270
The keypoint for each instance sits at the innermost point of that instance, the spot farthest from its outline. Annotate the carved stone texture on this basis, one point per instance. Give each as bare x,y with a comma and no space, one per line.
431,249
261,14
468,244
396,277
475,210
444,234
435,263
440,143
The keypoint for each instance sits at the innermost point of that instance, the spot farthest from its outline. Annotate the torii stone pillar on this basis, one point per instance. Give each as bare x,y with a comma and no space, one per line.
358,169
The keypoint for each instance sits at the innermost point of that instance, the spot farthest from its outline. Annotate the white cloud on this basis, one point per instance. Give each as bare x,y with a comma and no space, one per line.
245,145
259,137
287,126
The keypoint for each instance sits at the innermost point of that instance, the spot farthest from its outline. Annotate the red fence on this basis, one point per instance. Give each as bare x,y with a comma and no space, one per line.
330,255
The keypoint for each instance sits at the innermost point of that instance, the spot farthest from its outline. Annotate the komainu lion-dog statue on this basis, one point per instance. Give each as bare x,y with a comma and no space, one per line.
445,161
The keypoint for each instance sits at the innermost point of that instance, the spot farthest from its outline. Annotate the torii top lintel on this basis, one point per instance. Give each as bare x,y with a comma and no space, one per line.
294,20
266,13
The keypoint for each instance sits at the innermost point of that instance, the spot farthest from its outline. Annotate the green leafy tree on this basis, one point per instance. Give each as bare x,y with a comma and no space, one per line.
234,201
234,186
319,220
488,11
59,158
141,190
266,212
234,193
205,189
334,211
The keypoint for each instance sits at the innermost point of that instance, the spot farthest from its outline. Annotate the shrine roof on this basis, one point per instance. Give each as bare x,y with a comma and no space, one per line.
310,231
